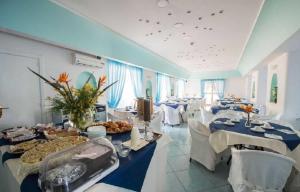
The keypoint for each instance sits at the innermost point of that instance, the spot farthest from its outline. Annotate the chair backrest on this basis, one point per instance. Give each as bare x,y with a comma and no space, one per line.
206,116
156,122
198,127
171,115
260,169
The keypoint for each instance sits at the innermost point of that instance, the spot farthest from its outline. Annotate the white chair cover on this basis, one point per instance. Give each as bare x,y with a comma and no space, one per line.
172,116
206,116
156,122
201,150
263,171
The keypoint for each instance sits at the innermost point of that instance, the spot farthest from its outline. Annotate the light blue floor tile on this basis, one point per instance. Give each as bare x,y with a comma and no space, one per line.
173,184
179,163
194,180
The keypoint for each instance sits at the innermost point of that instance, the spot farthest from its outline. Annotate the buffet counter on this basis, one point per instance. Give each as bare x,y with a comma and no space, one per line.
10,179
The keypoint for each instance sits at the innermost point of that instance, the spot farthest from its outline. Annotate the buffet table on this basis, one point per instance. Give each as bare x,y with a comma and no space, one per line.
153,181
223,136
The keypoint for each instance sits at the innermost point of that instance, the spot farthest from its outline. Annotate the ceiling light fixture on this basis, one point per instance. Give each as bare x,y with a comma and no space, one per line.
177,25
162,3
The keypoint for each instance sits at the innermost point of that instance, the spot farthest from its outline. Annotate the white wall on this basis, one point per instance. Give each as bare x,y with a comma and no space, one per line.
292,98
53,61
193,88
235,86
279,66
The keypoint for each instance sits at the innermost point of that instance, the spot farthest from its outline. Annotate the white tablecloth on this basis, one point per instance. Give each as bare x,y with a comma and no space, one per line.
222,139
154,179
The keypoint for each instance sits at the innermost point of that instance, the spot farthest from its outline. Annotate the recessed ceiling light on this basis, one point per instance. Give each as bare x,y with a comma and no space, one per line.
204,28
157,22
170,35
221,11
183,33
210,28
147,21
192,43
140,19
199,18
196,27
151,33
188,12
213,14
178,24
159,31
162,3
169,13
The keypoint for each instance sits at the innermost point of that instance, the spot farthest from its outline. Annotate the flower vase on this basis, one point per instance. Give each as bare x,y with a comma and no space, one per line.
248,122
81,119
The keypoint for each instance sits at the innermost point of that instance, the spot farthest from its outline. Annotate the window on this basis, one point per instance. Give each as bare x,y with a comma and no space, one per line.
212,90
163,85
128,96
180,90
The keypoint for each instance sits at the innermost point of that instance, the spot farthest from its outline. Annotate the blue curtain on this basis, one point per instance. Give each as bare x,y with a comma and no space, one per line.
158,87
136,74
115,72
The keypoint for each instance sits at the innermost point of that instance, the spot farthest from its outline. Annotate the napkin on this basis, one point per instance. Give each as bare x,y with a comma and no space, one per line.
273,136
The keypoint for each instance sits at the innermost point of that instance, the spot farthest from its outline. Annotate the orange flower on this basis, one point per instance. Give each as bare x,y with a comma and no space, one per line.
102,80
63,78
248,109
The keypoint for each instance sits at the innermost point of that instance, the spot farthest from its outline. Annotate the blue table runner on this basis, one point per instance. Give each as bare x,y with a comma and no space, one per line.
291,140
216,109
173,105
130,174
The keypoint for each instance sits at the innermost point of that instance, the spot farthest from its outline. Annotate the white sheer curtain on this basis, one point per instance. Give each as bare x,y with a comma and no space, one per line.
180,88
163,87
128,96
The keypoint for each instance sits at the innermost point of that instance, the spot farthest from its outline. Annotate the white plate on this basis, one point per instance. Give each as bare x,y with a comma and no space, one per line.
270,128
235,120
273,136
229,123
257,122
257,129
218,122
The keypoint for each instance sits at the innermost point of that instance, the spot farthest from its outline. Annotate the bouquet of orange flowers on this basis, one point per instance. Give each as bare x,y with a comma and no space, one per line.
75,102
247,108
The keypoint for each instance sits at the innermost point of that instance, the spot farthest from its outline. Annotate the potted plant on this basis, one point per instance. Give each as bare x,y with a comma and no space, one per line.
77,102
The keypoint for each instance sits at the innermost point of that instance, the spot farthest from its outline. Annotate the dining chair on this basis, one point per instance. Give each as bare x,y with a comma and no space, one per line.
172,116
201,150
206,116
263,171
156,122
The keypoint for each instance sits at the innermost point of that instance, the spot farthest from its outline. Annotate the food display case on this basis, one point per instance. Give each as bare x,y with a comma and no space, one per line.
78,168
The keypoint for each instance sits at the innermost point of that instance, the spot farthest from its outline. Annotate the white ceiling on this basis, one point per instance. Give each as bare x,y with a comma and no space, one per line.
212,38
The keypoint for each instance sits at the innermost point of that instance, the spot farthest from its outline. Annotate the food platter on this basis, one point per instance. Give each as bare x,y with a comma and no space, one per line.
114,127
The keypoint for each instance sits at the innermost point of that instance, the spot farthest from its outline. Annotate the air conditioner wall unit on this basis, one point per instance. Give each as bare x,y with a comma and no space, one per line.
90,61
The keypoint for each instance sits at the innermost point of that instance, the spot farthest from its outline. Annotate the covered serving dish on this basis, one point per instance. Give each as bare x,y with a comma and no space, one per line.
79,167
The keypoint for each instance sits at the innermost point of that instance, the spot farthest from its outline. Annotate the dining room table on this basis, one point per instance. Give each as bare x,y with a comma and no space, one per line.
140,171
278,137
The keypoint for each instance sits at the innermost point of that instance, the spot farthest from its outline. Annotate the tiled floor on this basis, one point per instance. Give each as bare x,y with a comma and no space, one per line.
183,176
